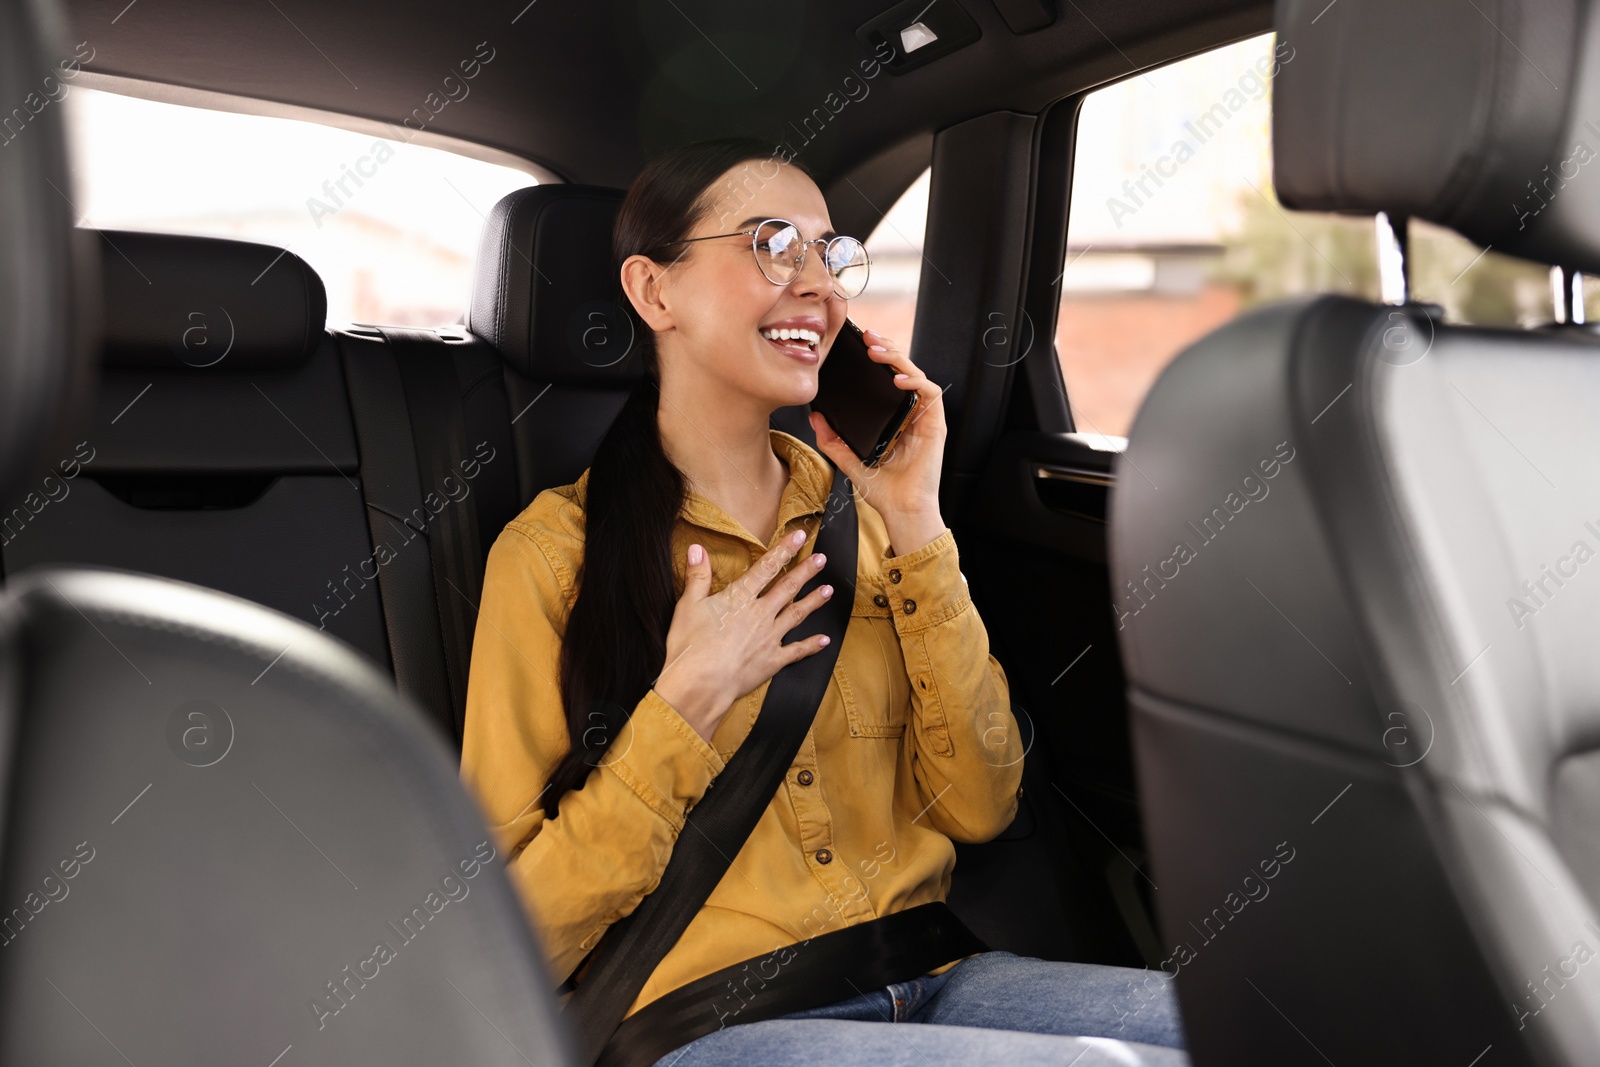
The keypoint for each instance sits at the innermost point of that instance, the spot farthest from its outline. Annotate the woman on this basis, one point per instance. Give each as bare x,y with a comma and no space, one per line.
642,600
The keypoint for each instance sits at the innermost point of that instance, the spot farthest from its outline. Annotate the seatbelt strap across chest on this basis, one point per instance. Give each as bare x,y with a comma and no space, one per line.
717,827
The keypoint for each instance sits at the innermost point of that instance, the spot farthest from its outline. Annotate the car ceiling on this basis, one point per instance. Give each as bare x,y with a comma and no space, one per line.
589,89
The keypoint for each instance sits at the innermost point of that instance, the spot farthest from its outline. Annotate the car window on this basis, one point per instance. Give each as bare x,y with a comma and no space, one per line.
392,227
1174,229
889,304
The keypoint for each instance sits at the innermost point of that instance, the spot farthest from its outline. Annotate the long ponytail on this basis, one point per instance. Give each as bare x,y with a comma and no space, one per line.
616,639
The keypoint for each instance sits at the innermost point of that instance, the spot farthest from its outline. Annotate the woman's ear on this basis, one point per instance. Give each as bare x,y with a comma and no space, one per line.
641,281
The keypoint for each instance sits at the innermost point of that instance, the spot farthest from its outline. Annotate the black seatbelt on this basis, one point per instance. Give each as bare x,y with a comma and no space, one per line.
823,969
718,825
393,496
465,525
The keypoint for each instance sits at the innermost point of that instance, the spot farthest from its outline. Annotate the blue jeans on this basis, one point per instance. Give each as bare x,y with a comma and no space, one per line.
995,1007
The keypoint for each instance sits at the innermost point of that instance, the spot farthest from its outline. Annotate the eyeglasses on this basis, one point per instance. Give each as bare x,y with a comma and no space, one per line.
780,253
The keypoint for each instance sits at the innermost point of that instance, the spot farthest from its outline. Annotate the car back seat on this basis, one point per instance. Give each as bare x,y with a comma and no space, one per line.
222,834
440,480
459,431
355,476
219,449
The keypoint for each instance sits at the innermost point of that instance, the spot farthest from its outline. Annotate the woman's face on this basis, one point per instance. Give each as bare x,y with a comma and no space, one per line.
722,312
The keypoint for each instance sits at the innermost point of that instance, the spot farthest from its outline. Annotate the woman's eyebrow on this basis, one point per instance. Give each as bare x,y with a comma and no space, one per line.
755,220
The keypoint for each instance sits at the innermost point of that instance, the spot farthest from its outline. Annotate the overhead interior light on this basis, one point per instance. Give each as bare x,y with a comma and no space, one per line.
915,36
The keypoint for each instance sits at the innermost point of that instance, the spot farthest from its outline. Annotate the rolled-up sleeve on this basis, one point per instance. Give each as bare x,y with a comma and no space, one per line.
968,753
591,865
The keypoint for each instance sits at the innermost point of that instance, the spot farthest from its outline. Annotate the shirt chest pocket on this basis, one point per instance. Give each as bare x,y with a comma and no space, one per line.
871,671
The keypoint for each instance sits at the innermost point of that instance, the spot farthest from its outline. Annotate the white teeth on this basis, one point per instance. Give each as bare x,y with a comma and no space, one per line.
810,337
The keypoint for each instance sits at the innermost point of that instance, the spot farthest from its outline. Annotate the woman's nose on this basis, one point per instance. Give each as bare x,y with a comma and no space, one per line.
813,278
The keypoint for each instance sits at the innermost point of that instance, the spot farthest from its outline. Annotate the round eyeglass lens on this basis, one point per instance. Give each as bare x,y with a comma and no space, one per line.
848,263
778,248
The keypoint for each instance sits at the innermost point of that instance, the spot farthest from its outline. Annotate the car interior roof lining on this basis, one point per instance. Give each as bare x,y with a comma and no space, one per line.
665,83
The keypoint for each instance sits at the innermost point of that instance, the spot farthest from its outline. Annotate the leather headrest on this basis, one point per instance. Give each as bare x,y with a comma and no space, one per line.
1481,117
174,302
545,292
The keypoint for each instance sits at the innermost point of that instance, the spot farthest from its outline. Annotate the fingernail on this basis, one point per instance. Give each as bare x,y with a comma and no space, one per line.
876,348
897,377
818,560
827,591
695,552
798,537
824,640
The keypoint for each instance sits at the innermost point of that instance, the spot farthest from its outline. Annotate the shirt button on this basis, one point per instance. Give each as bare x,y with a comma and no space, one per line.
805,778
911,605
824,856
894,575
881,600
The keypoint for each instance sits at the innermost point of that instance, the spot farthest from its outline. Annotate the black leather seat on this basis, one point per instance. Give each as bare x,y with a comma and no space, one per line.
224,836
1357,615
227,833
459,431
545,296
219,449
440,478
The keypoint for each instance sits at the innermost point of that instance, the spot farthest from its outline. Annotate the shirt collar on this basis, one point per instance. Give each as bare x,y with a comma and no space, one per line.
810,482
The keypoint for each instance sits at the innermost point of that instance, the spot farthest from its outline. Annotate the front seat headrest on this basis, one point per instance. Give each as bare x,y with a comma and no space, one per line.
1483,118
173,302
545,292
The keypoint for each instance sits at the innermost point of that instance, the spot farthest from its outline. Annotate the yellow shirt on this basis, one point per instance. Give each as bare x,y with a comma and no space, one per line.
914,745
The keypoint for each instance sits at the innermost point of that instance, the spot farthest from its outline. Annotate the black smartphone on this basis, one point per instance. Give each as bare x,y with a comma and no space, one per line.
858,397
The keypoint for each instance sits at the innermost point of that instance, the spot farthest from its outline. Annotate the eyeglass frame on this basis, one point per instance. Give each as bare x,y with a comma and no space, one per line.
805,248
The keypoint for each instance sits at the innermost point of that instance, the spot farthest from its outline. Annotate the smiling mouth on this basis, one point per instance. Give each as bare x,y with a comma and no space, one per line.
798,338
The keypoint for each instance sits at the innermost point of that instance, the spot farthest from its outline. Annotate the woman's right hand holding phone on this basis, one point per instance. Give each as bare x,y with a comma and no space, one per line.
721,646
